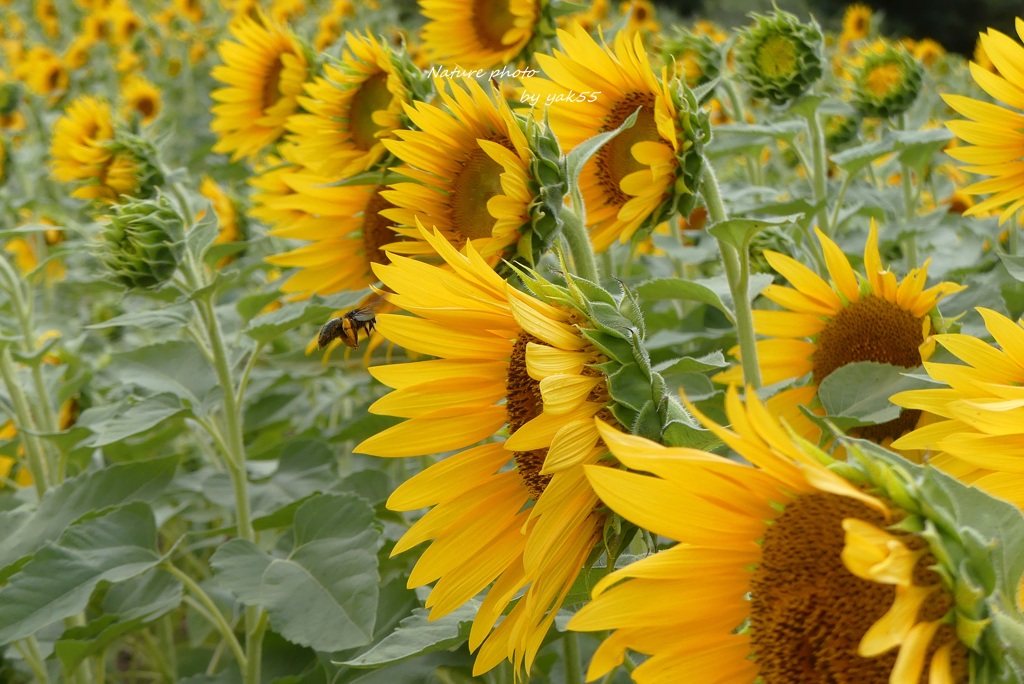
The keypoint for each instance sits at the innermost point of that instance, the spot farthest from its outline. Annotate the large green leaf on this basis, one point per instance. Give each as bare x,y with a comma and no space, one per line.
58,580
417,635
26,530
115,422
324,595
177,368
861,390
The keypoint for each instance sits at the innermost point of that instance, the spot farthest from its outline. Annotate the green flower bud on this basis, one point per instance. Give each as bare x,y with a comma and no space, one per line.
697,59
142,241
779,57
887,83
840,129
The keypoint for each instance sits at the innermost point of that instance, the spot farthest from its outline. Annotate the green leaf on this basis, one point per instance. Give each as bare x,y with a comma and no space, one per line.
177,368
918,148
25,531
856,158
114,422
58,581
324,595
201,235
1014,265
739,231
710,362
238,567
127,606
687,290
166,317
416,635
733,138
314,311
861,390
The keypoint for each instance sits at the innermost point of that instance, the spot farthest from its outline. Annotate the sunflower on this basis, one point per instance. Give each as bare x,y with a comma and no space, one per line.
646,172
265,71
480,190
345,231
785,572
352,109
478,34
825,326
79,146
513,516
995,133
856,24
140,96
42,70
980,438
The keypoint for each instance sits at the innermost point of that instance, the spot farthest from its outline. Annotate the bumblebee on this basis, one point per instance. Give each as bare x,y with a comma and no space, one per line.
348,327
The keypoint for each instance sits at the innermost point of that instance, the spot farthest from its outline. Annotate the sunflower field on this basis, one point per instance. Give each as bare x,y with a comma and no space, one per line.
511,341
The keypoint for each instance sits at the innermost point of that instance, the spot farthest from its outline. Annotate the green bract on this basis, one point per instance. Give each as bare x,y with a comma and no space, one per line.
887,83
142,242
975,540
780,57
697,59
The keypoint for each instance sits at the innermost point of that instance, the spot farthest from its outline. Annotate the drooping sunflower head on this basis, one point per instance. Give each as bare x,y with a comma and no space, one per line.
798,569
994,133
516,513
141,97
779,56
264,69
78,147
494,186
352,109
478,34
887,81
646,172
826,325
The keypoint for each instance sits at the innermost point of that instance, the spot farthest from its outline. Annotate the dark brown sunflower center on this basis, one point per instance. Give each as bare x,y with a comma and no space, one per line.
476,183
53,79
522,404
377,230
146,106
272,84
809,613
491,19
871,329
615,160
372,96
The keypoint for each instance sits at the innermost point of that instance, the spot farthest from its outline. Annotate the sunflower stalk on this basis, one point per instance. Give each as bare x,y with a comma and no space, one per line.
37,462
230,439
580,247
573,667
737,271
819,170
909,204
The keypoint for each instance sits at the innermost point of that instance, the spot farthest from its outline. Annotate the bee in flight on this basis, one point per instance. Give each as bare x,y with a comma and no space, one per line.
348,326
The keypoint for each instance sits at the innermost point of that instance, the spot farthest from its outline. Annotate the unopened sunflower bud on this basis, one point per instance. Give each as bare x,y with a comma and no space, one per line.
887,83
697,58
779,57
142,241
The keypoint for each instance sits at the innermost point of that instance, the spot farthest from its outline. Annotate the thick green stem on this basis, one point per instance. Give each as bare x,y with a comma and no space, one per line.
34,451
573,668
582,250
233,446
819,171
210,611
737,271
